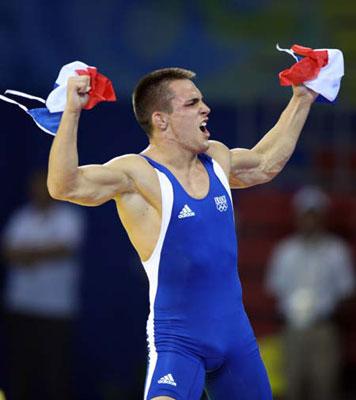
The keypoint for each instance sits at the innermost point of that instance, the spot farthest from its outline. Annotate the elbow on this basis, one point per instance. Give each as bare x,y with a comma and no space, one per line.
61,187
273,168
52,189
270,174
71,195
56,191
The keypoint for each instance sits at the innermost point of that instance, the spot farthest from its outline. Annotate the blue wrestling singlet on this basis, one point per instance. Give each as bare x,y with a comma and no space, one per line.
198,333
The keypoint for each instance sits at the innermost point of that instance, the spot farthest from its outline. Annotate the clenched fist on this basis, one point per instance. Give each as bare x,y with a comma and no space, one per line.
77,93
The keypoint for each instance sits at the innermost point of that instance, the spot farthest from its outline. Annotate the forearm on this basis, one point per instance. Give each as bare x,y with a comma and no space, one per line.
277,146
63,158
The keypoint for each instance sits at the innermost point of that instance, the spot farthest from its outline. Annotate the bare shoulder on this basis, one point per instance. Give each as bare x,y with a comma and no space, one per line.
127,161
220,153
139,171
133,165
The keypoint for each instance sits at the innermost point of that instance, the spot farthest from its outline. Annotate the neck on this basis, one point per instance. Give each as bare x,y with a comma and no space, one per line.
171,154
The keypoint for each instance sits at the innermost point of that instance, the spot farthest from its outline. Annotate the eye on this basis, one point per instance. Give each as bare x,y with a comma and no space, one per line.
192,102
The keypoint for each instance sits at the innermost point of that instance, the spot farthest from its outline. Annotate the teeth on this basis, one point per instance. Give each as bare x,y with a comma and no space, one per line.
203,126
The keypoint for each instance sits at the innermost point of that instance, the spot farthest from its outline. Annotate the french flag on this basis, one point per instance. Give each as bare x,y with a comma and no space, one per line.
48,117
320,70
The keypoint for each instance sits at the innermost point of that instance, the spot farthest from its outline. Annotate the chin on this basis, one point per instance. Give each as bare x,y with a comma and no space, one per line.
199,148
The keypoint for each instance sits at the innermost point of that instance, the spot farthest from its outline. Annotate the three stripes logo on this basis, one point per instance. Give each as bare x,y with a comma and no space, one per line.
168,380
186,212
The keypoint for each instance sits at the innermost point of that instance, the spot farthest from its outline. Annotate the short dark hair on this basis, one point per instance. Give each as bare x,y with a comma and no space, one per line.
152,93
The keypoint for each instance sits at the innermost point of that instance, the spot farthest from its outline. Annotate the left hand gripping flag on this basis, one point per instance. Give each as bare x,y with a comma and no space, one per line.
49,117
320,70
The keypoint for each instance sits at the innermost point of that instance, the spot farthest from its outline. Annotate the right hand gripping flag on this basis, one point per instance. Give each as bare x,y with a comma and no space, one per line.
49,117
320,70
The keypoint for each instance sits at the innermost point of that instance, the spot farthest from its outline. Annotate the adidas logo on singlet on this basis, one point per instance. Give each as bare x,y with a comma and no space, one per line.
186,212
167,379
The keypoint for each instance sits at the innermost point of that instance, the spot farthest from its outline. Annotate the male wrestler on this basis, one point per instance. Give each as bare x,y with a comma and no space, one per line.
175,203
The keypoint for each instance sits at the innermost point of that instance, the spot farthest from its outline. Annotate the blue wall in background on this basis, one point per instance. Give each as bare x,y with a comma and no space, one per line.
229,43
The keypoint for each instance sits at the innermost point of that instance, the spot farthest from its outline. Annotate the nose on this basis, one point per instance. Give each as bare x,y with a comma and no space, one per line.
205,108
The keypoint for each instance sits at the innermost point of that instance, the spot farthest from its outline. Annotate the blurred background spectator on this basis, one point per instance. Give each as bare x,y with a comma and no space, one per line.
230,44
41,244
310,273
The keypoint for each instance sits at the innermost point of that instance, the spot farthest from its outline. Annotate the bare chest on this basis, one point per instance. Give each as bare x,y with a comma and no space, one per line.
196,182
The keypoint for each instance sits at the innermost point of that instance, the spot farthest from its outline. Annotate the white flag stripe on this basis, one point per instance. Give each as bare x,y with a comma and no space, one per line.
289,51
25,95
13,102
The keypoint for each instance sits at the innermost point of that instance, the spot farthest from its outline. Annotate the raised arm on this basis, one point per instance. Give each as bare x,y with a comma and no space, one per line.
88,185
268,157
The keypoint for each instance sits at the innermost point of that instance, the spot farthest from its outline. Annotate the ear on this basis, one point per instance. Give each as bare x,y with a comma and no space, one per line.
160,120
